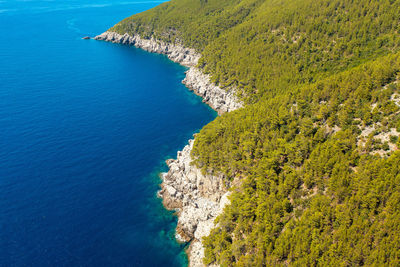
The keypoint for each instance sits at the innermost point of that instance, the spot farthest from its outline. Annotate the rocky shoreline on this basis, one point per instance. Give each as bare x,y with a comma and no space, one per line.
219,99
175,52
197,198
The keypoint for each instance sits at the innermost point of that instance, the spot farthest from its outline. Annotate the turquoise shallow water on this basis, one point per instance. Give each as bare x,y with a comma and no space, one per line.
85,127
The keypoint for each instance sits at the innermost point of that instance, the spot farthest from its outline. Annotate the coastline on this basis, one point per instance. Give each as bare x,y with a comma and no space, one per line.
197,198
219,99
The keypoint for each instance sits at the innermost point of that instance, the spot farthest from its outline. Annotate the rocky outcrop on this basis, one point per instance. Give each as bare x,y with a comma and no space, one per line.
198,199
219,99
175,52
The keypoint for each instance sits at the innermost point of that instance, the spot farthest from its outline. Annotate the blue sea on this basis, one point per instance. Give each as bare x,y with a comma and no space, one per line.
85,128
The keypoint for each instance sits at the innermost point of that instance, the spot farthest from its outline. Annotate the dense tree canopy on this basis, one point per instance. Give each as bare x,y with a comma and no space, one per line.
264,47
311,194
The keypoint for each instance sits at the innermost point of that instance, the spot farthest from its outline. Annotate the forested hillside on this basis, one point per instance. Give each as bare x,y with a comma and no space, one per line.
315,150
265,46
315,190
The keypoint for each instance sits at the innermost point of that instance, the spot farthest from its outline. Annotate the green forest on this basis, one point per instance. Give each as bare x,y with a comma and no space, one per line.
315,149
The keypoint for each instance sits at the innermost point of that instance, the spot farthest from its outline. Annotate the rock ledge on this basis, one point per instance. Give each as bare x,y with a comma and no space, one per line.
198,199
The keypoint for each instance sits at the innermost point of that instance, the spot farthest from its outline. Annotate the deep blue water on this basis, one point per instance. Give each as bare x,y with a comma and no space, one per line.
85,127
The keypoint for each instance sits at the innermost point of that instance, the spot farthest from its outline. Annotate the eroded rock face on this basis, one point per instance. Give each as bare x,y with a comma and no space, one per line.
177,53
198,199
219,99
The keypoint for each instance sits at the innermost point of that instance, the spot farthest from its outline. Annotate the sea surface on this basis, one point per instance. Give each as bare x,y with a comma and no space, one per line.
85,128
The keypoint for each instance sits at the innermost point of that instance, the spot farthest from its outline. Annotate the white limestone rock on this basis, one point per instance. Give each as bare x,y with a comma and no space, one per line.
176,52
204,198
217,98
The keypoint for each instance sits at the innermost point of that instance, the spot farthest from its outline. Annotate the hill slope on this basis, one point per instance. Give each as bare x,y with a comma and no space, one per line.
316,146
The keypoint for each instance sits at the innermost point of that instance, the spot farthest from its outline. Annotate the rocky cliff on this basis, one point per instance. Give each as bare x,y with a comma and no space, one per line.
175,52
197,198
219,99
